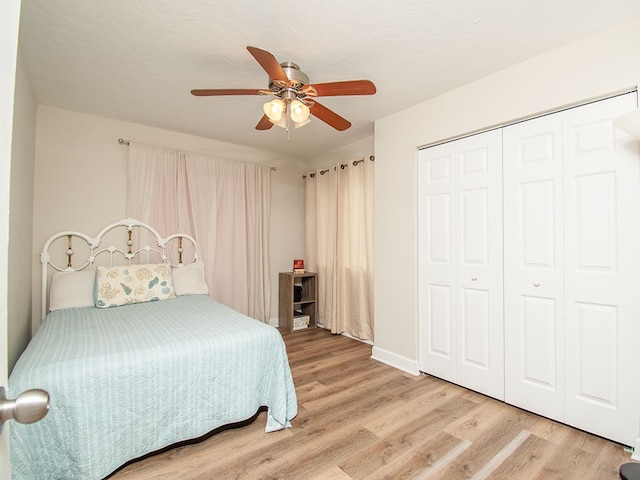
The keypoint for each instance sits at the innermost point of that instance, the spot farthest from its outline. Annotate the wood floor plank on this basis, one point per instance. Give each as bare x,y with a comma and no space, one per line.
501,431
359,419
331,472
554,432
337,448
528,461
420,407
420,461
354,402
407,433
474,425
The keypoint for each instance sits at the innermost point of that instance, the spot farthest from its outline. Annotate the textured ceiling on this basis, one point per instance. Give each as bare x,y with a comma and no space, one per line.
138,60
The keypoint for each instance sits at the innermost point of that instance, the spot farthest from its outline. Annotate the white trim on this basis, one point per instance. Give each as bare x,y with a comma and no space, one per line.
393,359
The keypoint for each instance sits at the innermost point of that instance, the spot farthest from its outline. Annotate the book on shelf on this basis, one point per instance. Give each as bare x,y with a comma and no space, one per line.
298,266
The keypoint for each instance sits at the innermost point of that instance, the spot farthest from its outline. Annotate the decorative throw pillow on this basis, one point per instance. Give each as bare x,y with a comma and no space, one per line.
128,284
189,279
71,289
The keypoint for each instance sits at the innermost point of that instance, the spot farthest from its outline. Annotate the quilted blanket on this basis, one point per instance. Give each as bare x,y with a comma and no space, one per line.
130,380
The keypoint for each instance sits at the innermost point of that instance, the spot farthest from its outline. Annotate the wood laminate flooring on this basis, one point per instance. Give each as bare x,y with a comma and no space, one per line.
361,419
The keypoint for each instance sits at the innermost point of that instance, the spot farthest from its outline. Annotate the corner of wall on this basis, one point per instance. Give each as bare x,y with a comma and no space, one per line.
398,361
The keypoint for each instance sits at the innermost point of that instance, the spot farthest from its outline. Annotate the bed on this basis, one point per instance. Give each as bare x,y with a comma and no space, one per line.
129,377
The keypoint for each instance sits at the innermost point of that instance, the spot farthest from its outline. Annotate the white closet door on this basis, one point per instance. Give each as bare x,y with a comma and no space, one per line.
534,270
478,241
437,271
460,251
602,259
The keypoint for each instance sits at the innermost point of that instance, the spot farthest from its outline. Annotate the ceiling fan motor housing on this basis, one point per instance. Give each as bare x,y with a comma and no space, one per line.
297,78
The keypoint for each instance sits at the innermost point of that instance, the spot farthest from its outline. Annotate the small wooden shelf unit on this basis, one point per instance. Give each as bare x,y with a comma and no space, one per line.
288,307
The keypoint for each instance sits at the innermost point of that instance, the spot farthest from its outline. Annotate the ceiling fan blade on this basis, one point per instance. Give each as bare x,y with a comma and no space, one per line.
225,91
264,123
330,117
269,63
351,87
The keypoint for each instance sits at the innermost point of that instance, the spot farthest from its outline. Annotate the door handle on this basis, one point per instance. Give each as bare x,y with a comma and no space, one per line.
28,407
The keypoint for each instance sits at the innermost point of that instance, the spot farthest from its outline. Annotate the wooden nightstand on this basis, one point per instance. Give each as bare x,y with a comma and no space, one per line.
292,314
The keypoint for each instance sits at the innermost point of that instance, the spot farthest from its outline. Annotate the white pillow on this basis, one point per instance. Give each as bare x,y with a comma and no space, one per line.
71,289
123,285
189,279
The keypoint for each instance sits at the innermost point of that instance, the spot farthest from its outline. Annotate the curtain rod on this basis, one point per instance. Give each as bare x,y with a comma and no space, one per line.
342,166
122,141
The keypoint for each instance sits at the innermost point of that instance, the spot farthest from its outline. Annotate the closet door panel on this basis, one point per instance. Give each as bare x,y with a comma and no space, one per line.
602,238
537,201
474,227
534,287
540,319
594,215
439,321
438,213
479,298
474,310
437,273
597,353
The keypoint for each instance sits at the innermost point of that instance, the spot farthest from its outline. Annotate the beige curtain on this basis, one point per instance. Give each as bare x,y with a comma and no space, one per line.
339,215
225,205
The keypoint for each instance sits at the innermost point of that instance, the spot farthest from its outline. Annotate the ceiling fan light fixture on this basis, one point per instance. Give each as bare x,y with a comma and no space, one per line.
302,123
299,111
282,123
274,109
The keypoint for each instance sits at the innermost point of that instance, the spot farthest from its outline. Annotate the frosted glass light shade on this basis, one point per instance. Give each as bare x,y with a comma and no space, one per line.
274,109
299,111
283,123
629,123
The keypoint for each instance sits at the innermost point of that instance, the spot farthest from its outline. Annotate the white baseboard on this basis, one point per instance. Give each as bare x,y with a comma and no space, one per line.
398,361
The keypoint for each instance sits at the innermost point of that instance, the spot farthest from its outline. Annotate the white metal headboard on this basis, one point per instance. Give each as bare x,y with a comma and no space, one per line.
125,242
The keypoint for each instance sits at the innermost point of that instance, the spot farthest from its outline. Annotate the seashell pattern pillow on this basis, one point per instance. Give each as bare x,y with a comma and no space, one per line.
127,284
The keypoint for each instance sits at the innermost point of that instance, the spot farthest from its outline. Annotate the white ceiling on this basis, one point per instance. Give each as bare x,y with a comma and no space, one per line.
138,60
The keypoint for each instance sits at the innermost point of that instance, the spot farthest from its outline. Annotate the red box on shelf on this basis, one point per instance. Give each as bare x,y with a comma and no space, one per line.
298,266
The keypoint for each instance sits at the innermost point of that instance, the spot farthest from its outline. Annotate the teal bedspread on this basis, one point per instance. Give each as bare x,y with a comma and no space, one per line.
130,380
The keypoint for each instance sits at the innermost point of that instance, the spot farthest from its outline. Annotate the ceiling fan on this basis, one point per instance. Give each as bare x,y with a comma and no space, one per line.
295,96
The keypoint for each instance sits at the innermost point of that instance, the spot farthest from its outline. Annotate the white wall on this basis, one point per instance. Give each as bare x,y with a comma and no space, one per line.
592,67
351,151
21,214
80,182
